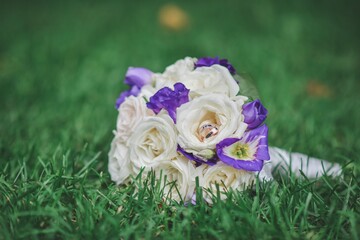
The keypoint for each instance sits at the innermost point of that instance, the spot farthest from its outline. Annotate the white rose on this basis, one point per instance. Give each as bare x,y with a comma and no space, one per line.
205,121
207,80
180,178
119,162
152,142
225,176
200,81
174,73
131,112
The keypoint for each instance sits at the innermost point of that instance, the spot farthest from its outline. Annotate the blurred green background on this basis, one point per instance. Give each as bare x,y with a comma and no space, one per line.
62,66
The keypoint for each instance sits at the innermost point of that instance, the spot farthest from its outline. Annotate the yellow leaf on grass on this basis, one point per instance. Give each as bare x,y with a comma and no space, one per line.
173,17
317,89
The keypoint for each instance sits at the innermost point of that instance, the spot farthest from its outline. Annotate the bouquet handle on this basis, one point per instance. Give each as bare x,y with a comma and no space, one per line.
299,164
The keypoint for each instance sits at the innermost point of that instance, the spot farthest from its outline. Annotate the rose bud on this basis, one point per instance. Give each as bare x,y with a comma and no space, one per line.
254,113
136,76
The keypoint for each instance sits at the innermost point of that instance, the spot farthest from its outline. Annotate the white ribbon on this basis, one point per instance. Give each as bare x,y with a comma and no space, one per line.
282,161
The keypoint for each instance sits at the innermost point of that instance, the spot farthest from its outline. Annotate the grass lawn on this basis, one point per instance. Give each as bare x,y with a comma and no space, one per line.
61,70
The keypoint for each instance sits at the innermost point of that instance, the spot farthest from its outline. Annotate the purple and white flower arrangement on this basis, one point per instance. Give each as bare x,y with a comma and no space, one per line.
189,121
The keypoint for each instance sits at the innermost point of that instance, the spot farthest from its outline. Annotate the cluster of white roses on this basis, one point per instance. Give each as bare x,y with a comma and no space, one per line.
158,130
193,121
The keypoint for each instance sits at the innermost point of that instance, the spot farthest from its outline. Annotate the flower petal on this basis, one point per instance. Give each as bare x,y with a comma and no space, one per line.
237,151
169,99
254,113
209,61
133,91
137,76
198,160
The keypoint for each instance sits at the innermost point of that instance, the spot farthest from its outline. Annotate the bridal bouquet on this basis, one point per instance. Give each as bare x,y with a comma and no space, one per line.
194,120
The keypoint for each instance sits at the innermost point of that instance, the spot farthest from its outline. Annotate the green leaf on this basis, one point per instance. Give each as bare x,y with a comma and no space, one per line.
247,86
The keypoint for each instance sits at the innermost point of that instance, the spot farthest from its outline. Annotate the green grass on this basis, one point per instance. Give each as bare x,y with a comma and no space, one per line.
61,69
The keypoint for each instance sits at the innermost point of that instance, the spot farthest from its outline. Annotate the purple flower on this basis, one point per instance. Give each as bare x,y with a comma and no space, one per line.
136,76
254,113
209,61
247,153
212,161
133,91
169,99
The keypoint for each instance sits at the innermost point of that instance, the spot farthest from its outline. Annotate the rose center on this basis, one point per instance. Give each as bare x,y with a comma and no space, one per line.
152,142
207,130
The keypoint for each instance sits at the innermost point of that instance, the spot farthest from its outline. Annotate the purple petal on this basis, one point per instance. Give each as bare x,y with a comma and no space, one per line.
261,151
254,165
229,66
212,161
193,199
260,133
209,61
134,91
254,113
136,76
169,99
